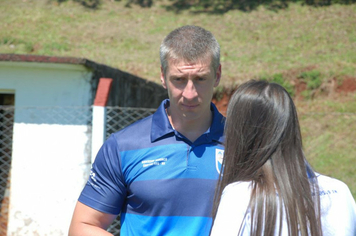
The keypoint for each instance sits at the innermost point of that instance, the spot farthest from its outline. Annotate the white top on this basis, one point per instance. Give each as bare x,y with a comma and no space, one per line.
338,209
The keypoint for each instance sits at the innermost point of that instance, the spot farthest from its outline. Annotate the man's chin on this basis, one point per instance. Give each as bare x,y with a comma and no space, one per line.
190,116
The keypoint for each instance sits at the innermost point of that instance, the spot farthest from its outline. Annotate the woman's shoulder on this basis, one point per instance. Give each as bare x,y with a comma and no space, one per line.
336,201
236,197
238,185
333,188
327,182
242,188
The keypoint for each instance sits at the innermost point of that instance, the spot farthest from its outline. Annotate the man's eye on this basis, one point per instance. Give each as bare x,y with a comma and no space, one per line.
200,79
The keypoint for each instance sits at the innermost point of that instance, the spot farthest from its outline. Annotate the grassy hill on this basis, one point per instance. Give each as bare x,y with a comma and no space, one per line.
255,44
300,45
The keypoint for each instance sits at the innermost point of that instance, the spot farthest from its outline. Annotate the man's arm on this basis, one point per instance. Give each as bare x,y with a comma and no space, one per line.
88,221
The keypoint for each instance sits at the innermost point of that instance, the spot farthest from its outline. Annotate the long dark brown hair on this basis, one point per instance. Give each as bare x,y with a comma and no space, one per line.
264,146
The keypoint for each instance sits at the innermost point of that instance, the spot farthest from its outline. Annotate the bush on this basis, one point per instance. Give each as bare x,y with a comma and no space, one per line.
86,3
312,78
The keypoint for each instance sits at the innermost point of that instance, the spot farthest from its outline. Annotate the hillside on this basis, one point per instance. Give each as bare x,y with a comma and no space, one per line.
261,43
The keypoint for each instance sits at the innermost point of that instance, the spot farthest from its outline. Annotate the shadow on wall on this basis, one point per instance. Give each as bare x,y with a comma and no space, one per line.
127,90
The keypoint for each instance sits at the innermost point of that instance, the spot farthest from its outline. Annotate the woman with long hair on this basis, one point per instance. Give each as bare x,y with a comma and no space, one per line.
267,187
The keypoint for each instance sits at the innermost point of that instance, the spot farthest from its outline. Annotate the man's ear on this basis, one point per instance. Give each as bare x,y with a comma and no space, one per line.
218,76
163,81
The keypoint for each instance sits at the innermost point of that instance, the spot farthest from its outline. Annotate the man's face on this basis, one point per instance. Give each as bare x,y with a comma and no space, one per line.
190,88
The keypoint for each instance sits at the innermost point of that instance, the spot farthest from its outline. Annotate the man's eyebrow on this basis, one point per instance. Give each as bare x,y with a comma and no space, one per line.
203,73
183,75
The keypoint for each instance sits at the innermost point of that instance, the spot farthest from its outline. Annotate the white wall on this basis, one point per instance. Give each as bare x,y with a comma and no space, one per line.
51,144
45,84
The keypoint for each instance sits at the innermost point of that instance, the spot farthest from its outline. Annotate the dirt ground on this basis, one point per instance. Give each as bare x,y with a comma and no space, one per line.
330,90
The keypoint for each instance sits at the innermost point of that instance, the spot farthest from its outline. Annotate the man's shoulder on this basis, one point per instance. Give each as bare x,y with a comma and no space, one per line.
136,129
140,135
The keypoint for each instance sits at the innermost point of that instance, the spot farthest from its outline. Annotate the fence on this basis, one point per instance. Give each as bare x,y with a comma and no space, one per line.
36,134
6,130
117,118
329,141
120,117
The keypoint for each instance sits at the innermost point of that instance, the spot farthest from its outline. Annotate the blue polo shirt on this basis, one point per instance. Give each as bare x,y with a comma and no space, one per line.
162,183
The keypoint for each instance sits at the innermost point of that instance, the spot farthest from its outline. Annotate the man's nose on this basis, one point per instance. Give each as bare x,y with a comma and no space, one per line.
190,91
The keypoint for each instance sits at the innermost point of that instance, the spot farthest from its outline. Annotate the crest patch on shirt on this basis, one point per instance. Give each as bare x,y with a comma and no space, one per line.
219,155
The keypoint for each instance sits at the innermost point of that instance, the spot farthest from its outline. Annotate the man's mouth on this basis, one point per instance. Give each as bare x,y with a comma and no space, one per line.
190,106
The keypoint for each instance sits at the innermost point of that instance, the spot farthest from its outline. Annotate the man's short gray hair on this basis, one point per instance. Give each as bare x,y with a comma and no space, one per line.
192,44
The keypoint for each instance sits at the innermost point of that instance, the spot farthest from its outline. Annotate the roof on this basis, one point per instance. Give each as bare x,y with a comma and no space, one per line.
44,59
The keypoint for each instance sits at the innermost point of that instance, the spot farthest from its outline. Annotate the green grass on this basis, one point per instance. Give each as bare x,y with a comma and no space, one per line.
260,44
252,44
328,129
329,142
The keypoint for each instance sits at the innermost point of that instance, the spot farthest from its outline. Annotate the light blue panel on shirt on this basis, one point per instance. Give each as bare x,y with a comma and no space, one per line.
168,226
170,161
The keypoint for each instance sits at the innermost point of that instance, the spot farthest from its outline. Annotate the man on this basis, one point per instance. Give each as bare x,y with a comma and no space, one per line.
160,172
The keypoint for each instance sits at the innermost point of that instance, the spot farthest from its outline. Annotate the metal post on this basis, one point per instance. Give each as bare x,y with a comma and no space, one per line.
99,116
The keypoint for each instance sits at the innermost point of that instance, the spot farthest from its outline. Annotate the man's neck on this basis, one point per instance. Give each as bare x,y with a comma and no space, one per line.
191,129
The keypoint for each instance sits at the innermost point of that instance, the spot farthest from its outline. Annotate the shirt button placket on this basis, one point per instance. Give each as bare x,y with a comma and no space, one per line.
190,150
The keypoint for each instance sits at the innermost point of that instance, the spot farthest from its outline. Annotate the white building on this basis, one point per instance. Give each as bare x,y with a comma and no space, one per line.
51,142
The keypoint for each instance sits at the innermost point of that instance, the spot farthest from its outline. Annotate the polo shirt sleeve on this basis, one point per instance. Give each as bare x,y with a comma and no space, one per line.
105,189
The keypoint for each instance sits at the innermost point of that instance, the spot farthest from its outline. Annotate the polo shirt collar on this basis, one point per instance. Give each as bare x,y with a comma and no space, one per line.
160,123
162,127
